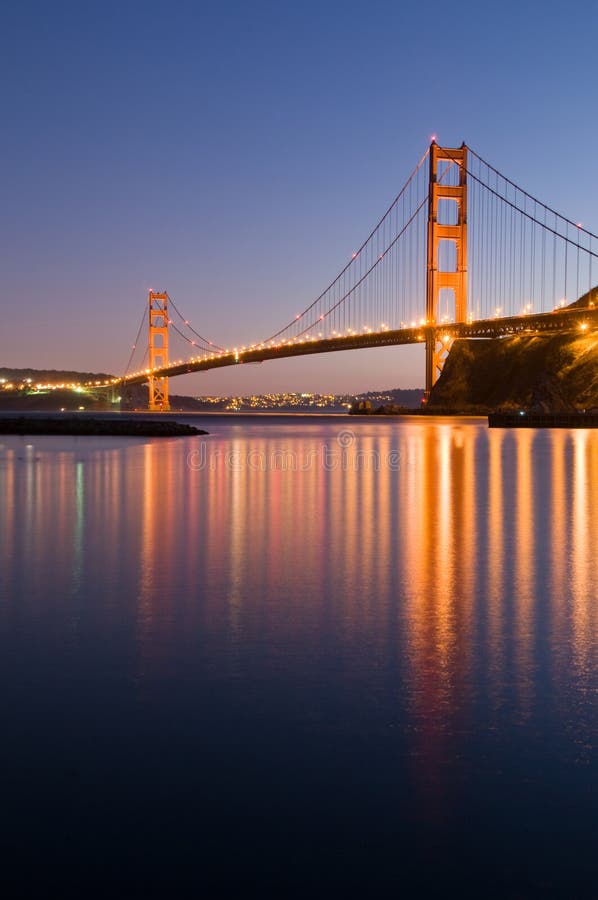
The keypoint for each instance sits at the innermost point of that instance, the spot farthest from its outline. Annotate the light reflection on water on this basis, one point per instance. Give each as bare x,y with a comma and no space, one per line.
418,595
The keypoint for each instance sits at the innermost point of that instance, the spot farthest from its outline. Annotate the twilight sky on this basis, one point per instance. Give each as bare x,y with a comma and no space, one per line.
235,153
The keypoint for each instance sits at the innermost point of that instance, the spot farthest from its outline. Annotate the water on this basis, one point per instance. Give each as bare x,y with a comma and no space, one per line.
299,656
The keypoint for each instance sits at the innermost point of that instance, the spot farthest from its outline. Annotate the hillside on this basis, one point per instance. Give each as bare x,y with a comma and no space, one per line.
52,375
548,373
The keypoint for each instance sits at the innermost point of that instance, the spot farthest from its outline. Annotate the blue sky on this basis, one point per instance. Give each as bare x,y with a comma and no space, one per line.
234,154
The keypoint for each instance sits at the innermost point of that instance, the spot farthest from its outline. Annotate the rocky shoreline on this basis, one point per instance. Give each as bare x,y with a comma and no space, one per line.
73,425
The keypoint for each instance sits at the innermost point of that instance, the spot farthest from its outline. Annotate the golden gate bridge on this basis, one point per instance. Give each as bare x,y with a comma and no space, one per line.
462,251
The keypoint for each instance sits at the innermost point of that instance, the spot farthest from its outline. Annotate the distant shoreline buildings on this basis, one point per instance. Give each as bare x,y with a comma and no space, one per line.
307,402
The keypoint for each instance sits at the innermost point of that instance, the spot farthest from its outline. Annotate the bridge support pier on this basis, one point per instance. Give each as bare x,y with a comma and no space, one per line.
158,351
445,228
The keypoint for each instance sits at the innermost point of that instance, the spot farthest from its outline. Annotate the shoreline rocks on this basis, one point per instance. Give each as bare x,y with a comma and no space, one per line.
72,425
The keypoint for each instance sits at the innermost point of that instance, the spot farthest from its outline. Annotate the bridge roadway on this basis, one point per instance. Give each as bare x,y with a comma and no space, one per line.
566,319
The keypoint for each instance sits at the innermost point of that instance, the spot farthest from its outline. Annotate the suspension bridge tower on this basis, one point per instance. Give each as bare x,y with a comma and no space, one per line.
158,351
447,224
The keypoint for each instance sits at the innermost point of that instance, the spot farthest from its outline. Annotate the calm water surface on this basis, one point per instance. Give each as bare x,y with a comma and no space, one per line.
300,655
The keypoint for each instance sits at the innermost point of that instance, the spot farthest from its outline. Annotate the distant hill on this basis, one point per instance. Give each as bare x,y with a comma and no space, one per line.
54,375
411,398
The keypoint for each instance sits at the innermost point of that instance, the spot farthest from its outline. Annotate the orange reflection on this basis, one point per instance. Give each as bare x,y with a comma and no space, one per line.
524,565
583,555
495,554
560,442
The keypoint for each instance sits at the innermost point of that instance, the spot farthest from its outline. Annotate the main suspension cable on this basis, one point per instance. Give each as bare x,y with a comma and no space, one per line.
355,256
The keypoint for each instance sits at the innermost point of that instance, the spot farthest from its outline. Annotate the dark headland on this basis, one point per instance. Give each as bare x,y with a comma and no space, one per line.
538,373
555,373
